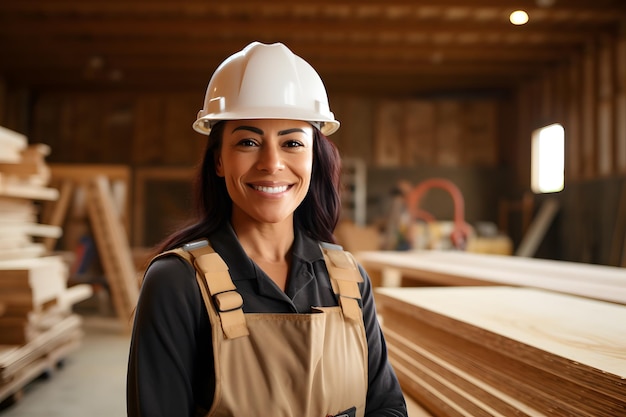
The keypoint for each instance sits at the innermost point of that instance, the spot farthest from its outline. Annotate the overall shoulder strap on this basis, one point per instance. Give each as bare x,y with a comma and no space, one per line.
217,287
344,277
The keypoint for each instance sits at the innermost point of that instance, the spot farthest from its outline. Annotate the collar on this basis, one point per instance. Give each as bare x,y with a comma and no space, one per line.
225,242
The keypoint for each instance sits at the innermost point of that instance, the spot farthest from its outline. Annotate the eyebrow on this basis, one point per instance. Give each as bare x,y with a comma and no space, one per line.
260,132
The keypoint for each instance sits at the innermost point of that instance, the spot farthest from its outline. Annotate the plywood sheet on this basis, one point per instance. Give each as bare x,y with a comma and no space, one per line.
486,349
589,332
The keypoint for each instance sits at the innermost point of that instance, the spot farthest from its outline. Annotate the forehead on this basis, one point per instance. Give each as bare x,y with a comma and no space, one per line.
268,126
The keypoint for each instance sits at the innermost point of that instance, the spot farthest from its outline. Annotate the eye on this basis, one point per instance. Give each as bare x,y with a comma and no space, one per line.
292,143
246,143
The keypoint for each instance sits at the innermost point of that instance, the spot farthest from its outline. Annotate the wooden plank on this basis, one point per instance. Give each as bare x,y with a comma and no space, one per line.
30,250
461,268
590,333
12,242
514,379
31,167
414,362
31,229
11,145
37,367
31,283
13,358
113,248
58,212
83,173
9,188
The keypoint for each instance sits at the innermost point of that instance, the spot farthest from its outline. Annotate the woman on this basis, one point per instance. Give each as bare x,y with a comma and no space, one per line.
250,312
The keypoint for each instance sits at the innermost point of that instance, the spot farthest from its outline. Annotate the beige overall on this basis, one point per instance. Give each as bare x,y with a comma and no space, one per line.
284,365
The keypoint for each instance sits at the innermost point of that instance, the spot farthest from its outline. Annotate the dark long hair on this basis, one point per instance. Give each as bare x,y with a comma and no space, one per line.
317,215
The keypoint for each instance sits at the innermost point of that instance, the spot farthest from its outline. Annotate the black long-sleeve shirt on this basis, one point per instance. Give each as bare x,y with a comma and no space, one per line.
170,368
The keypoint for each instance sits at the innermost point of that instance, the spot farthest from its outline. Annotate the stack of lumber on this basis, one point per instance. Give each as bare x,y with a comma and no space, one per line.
37,324
23,179
502,351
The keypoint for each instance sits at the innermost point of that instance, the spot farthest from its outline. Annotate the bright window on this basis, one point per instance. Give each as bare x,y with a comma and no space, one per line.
548,159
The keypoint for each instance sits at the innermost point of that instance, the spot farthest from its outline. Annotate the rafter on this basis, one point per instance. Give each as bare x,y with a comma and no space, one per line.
426,43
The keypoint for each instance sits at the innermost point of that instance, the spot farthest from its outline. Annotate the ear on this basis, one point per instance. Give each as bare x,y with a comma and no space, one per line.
219,168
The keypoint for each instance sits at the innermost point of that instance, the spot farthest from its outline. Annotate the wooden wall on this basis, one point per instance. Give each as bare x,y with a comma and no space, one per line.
398,138
115,128
451,132
588,97
414,139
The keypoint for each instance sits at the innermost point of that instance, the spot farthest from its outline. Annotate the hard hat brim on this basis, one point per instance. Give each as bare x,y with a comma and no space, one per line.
328,126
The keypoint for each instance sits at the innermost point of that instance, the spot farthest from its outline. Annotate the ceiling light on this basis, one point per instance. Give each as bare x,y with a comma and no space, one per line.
518,17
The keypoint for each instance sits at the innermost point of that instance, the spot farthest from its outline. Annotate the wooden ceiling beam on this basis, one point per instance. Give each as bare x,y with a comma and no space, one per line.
157,31
375,83
147,6
129,51
205,26
353,43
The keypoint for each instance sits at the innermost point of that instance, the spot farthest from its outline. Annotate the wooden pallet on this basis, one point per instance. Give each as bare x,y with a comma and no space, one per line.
113,248
21,364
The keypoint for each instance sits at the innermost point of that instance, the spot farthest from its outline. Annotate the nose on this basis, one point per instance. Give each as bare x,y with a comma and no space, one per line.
270,159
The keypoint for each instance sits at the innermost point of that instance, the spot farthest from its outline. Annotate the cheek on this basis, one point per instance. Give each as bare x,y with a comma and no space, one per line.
307,175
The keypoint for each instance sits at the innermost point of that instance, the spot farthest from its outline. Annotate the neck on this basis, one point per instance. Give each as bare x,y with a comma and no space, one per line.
266,241
269,246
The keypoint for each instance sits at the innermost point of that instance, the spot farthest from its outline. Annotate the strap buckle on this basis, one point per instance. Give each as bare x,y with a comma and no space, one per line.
227,301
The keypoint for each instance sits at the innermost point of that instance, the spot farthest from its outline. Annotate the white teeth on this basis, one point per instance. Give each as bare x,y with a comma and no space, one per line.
271,190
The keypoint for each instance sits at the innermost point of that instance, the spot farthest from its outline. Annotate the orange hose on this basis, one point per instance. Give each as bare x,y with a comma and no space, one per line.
461,229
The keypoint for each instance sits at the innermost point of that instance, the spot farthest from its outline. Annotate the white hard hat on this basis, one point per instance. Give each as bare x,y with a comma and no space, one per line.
266,82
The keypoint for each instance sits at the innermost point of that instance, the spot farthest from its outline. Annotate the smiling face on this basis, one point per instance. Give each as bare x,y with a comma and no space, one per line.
266,165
